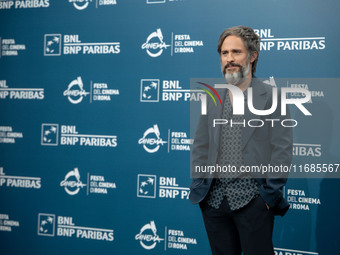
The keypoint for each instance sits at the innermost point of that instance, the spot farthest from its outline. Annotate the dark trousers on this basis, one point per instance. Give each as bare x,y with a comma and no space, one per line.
248,230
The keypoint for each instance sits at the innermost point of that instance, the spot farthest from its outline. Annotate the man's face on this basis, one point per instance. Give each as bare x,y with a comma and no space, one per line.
235,62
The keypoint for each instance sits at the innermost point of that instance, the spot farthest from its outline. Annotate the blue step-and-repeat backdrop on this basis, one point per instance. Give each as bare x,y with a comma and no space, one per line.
95,120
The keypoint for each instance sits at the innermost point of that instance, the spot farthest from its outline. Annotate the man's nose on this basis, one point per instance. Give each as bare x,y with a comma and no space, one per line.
230,58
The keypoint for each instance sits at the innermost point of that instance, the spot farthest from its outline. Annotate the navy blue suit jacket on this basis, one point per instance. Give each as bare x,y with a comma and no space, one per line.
261,145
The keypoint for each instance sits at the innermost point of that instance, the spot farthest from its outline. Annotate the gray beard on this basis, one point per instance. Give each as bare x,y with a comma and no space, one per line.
239,76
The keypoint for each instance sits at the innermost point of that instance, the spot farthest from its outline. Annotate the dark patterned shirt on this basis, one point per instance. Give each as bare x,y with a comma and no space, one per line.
239,188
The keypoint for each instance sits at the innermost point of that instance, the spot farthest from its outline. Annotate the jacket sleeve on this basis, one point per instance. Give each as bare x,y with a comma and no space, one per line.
200,148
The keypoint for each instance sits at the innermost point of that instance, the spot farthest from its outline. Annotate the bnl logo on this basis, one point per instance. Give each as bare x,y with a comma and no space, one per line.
52,45
149,90
146,186
49,134
46,224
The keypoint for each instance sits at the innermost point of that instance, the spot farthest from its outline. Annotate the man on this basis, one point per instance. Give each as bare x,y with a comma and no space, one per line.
238,210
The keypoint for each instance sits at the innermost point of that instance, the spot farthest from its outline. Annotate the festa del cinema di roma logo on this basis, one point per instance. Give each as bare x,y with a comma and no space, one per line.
80,4
148,237
75,91
83,4
99,91
180,43
151,139
72,183
175,239
154,44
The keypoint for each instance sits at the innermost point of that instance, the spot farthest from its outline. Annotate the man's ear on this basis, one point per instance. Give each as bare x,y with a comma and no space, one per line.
254,56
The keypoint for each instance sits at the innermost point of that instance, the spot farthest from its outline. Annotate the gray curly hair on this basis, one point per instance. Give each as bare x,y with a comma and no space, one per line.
250,39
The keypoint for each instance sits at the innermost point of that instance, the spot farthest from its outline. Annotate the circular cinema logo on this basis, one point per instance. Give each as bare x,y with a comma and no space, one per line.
80,4
154,44
151,139
72,183
75,91
148,237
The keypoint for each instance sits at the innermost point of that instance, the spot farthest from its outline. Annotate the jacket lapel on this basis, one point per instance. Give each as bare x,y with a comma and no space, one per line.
259,102
217,114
